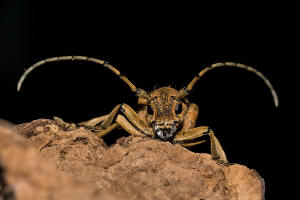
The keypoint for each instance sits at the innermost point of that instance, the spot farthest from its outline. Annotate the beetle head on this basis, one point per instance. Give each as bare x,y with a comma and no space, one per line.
164,112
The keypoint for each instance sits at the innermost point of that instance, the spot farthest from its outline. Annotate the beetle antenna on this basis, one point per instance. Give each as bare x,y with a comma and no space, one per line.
137,91
186,90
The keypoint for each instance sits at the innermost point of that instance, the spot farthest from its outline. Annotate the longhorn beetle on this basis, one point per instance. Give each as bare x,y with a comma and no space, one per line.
164,113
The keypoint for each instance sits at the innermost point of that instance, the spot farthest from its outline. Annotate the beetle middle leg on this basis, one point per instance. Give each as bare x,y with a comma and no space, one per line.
90,124
191,137
131,122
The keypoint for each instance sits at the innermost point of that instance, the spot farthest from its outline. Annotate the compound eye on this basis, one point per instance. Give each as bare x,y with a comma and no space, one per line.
149,110
178,108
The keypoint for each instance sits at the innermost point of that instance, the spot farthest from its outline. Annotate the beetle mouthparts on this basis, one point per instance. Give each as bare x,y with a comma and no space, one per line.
165,134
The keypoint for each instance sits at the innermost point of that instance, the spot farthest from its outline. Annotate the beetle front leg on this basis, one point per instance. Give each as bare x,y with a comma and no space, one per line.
191,137
132,119
132,122
190,117
127,126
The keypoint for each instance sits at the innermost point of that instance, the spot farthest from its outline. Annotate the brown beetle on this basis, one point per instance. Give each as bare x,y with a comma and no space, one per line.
164,113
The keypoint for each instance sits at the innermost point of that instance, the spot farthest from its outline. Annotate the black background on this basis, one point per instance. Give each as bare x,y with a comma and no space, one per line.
157,45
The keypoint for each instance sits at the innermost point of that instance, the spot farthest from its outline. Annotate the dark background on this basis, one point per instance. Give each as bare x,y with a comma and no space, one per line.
157,45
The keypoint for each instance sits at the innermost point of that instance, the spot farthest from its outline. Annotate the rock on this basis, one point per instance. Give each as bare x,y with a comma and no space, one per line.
75,153
25,175
141,168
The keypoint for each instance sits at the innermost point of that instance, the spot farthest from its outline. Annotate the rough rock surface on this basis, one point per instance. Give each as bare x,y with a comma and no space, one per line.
140,168
25,175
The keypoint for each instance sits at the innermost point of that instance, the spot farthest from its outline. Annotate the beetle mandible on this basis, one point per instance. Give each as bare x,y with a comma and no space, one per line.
164,113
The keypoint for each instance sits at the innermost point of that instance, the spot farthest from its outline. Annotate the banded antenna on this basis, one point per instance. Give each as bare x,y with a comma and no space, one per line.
137,91
186,90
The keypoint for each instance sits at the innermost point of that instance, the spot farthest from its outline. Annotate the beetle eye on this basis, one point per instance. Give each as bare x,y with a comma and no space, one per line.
178,108
149,110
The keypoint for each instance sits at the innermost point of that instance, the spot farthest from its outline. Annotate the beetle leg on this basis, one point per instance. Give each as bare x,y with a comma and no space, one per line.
90,124
136,120
106,125
102,132
190,117
94,121
132,123
65,125
111,116
191,137
127,126
105,120
132,119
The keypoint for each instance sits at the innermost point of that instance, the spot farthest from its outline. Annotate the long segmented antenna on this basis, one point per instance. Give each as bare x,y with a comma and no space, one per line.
137,91
185,91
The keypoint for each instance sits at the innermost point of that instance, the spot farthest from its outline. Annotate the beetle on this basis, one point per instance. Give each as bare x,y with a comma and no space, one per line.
164,113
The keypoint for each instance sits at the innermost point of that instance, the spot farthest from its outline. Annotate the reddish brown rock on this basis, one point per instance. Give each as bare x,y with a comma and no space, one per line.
25,175
141,168
75,153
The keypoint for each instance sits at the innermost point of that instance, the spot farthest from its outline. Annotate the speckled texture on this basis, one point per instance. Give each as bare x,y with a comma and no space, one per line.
141,168
25,175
